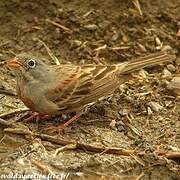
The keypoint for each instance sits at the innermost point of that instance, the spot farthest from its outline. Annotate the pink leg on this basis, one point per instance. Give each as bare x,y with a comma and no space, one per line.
36,116
61,127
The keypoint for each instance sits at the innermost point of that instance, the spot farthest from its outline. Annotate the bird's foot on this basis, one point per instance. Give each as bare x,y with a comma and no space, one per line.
61,127
36,116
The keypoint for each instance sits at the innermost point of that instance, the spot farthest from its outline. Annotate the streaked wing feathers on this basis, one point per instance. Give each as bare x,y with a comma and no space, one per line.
88,85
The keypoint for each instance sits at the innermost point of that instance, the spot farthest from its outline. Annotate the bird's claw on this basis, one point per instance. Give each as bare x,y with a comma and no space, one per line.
36,116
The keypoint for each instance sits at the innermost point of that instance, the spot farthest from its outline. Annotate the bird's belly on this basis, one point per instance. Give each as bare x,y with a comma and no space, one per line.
24,98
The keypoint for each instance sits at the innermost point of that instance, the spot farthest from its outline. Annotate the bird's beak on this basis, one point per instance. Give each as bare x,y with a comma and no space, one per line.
14,63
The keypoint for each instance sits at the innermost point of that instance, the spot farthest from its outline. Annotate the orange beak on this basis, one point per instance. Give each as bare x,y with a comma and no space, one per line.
14,63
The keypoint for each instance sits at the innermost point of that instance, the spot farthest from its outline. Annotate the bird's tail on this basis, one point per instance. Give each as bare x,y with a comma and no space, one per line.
150,60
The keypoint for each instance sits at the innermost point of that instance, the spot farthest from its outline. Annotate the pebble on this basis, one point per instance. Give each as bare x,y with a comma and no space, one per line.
158,42
171,67
1,109
115,37
168,103
123,112
174,83
149,111
125,39
104,24
166,73
113,124
76,43
166,48
91,27
123,87
120,127
142,48
143,73
155,106
178,61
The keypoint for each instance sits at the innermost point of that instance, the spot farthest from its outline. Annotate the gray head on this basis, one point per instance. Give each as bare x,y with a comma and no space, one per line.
28,67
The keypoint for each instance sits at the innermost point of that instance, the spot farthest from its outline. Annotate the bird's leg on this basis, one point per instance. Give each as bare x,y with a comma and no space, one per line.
32,117
36,116
61,127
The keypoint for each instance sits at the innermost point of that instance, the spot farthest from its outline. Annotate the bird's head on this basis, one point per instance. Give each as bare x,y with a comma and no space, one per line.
28,67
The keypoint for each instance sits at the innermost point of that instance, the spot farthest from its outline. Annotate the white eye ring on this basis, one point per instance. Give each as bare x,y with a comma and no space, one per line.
31,63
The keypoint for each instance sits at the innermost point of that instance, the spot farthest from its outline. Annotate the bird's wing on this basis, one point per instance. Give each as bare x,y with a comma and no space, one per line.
83,85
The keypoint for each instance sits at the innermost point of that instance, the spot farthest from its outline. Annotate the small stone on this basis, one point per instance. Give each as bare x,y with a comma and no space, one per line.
166,48
104,24
125,39
80,174
164,82
149,111
171,68
159,44
113,124
123,88
174,83
76,43
168,103
166,73
21,161
129,99
123,112
120,126
178,33
115,37
155,106
1,108
91,27
143,73
142,48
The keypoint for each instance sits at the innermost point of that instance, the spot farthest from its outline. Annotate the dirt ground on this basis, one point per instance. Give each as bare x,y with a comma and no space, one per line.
141,117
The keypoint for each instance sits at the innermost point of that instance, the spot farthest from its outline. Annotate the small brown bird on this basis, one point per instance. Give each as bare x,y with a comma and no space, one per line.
58,89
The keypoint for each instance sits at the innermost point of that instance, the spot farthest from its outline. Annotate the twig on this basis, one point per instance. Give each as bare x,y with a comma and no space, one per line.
173,155
4,43
137,5
81,146
137,160
15,128
87,14
44,167
160,136
119,48
140,176
24,130
170,155
7,92
53,57
134,130
101,48
6,123
67,30
13,112
131,127
2,63
76,145
65,148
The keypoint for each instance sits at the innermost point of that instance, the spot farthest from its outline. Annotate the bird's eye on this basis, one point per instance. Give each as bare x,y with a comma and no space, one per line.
31,63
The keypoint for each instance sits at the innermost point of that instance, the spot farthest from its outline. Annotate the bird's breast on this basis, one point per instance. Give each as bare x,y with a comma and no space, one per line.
24,97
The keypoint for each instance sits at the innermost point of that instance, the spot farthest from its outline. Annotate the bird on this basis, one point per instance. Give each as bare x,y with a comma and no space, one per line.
53,90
